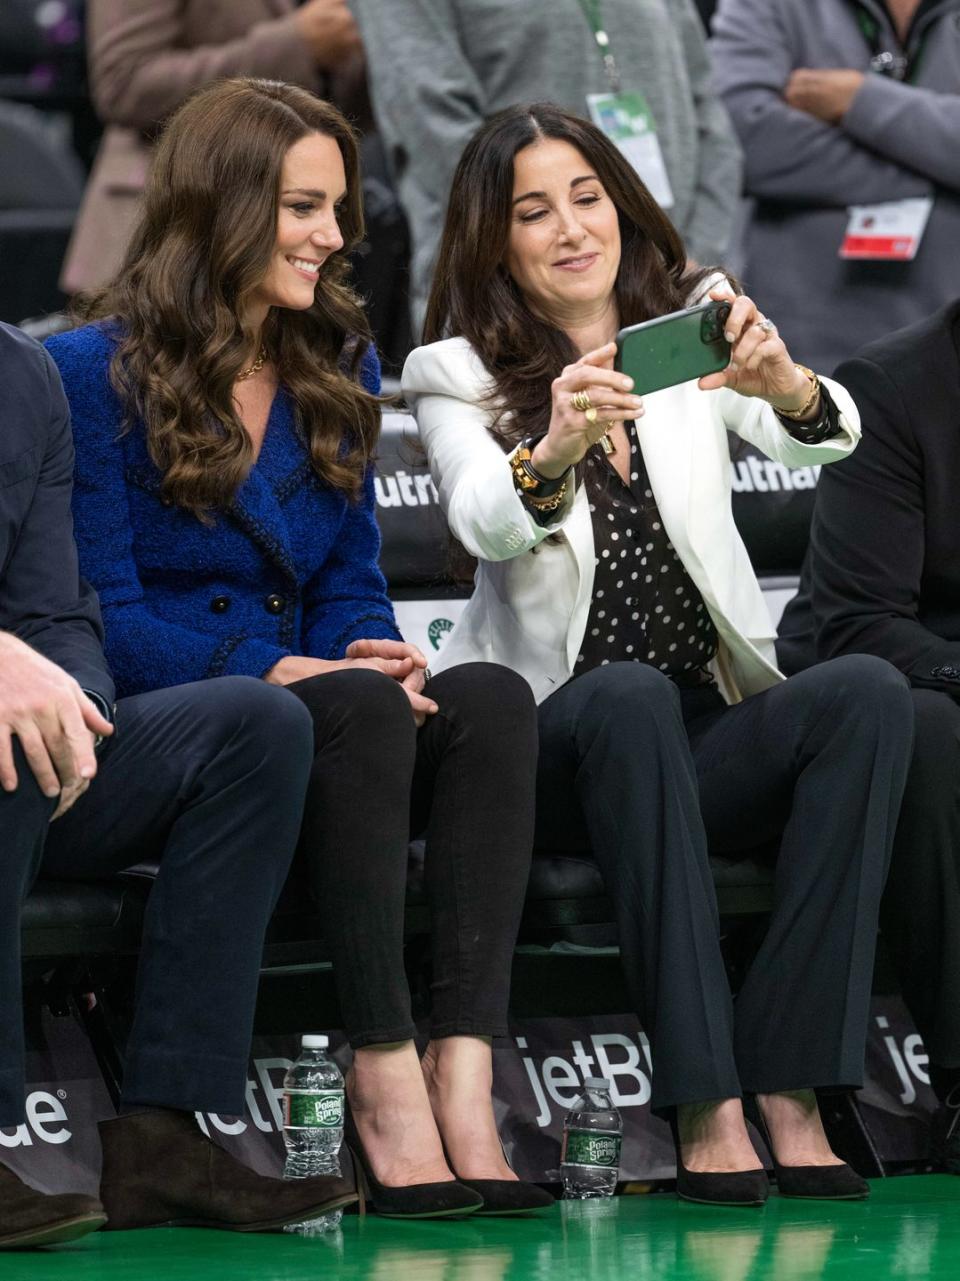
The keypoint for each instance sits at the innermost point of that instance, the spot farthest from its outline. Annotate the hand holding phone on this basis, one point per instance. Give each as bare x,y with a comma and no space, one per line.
571,433
760,364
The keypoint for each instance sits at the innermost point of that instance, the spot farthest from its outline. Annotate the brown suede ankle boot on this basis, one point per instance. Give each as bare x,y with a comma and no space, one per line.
160,1170
29,1218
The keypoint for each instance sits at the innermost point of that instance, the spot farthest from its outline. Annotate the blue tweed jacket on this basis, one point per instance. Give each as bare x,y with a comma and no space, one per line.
290,568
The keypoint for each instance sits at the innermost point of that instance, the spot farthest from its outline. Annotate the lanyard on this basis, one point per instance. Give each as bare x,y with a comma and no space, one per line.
896,66
592,13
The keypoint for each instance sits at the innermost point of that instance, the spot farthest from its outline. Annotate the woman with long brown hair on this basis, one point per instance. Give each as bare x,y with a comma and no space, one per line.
611,576
224,397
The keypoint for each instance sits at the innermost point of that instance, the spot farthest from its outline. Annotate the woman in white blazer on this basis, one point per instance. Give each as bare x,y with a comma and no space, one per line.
612,577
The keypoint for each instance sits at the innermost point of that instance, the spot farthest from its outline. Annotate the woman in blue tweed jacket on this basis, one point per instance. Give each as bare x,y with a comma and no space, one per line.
225,418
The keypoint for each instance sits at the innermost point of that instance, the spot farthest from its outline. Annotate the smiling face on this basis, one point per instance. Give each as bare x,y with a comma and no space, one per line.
312,186
563,250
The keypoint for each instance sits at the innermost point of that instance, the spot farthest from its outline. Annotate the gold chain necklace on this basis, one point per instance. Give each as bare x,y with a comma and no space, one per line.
255,367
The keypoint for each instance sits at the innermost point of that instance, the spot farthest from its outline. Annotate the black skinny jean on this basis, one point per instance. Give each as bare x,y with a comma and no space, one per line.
467,777
650,777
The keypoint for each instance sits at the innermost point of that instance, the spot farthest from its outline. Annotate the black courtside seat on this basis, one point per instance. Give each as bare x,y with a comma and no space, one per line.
67,919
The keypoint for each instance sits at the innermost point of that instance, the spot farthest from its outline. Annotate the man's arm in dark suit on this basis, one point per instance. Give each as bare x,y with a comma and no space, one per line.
43,600
867,541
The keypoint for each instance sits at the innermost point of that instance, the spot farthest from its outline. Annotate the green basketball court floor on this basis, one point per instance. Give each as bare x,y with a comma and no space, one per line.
909,1228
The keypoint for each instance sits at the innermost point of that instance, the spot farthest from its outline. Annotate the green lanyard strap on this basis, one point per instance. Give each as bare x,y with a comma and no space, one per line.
593,13
592,10
896,66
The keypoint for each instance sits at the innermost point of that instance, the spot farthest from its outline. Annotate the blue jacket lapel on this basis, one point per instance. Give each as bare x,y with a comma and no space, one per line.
257,506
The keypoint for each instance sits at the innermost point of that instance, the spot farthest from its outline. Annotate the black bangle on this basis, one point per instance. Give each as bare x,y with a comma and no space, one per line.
546,485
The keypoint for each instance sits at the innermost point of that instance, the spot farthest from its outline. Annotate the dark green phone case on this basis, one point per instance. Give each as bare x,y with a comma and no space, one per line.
676,348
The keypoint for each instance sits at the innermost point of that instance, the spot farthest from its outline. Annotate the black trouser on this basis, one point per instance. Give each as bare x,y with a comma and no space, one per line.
467,777
651,779
921,906
209,779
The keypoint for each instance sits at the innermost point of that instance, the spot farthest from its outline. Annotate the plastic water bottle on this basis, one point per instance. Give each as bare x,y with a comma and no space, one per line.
313,1104
592,1132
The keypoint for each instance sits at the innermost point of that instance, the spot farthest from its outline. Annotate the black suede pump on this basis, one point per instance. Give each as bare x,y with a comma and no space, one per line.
809,1182
508,1196
726,1187
415,1201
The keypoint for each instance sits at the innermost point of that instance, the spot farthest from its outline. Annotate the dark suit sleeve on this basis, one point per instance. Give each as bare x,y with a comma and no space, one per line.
867,542
45,602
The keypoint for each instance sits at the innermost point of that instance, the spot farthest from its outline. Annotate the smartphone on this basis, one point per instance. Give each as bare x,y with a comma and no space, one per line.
676,348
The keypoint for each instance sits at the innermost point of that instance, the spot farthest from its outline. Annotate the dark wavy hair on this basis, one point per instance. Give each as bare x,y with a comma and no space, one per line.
473,294
202,247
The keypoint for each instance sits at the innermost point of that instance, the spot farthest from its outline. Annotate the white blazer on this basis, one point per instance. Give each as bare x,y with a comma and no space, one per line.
532,591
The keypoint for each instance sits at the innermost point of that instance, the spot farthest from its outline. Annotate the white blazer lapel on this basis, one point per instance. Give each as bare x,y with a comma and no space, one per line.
579,534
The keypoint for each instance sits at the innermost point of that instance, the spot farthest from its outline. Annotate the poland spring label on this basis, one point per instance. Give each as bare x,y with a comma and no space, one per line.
312,1109
591,1147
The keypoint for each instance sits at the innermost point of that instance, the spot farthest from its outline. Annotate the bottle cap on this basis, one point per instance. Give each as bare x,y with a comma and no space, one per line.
314,1042
596,1083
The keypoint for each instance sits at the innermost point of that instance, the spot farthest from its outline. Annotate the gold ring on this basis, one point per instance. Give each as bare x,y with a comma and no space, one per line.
590,415
580,400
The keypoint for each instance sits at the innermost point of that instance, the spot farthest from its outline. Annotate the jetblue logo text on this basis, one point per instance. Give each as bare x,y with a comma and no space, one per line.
557,1082
46,1121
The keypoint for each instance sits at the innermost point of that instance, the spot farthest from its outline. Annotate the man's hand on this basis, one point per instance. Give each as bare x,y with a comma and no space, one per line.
329,32
828,95
53,719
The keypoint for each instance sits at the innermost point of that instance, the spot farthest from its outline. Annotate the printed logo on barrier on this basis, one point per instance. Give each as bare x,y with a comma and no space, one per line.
404,489
909,1059
752,475
438,630
46,1120
541,1079
556,1082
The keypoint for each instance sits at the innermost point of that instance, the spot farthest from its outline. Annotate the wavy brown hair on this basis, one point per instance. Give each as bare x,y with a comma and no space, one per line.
202,247
473,294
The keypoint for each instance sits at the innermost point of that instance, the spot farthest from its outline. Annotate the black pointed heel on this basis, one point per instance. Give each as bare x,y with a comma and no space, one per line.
727,1187
809,1182
508,1196
415,1201
504,1196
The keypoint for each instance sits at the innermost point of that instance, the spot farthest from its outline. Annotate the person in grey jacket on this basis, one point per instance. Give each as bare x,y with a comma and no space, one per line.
842,103
439,68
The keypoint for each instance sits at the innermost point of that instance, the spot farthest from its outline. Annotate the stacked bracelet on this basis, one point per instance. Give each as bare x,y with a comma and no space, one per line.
795,415
547,504
543,493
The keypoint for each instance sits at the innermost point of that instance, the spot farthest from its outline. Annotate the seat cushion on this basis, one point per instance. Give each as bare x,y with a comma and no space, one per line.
73,919
54,905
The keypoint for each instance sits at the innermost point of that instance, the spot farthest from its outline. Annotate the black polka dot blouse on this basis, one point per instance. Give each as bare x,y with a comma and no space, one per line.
645,607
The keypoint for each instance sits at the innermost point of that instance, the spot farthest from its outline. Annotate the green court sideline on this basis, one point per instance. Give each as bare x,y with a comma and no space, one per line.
909,1228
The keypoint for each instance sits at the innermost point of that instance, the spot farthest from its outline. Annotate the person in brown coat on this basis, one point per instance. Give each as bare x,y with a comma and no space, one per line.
148,56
